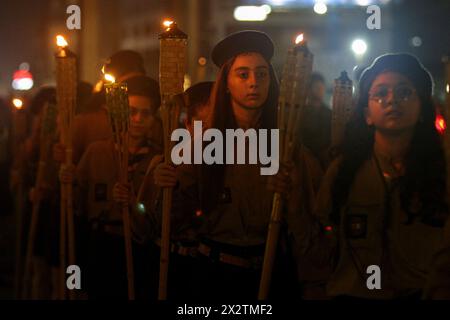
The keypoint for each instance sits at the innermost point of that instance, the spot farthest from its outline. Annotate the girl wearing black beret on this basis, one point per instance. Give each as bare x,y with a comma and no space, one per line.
382,207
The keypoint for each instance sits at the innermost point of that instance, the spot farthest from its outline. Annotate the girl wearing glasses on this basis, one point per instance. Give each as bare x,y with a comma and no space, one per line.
381,209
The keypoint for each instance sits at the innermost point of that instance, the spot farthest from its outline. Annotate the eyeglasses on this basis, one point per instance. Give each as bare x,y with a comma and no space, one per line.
402,93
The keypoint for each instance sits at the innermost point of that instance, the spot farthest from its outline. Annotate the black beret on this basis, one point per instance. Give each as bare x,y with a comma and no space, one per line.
123,62
241,42
403,63
144,86
199,93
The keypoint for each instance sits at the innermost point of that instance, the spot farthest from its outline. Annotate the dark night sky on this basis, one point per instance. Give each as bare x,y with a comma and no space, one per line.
21,27
23,33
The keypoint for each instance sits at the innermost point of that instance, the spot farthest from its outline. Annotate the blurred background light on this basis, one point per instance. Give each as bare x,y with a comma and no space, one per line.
278,2
267,9
22,84
250,13
359,47
416,41
22,80
202,61
24,66
320,8
363,2
18,104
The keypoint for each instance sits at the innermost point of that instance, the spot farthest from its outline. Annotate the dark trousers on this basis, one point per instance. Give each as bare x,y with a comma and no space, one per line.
106,268
220,282
106,273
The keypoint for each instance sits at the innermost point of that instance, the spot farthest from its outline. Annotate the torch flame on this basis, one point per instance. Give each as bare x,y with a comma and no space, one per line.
61,41
167,23
447,88
110,78
299,38
17,103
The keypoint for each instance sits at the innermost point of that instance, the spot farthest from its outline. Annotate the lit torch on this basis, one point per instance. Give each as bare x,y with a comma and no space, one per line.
342,109
66,86
118,111
17,103
19,122
172,67
291,102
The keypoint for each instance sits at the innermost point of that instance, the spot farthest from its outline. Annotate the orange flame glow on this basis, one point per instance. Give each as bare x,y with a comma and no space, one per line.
167,23
17,103
61,41
110,78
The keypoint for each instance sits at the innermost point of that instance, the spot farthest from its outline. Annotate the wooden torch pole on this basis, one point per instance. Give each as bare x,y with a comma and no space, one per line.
66,84
341,111
173,45
296,74
118,110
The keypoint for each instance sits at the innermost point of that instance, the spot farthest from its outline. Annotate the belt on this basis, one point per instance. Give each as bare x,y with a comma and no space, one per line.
180,248
253,262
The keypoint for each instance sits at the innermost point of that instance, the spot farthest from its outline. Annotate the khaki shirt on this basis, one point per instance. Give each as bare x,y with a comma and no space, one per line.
185,211
96,175
357,242
242,215
89,127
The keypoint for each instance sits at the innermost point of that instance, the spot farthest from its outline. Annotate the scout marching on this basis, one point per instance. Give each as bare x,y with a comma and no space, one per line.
361,184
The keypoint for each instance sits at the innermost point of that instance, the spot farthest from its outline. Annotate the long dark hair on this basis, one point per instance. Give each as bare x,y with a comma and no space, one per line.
425,168
222,118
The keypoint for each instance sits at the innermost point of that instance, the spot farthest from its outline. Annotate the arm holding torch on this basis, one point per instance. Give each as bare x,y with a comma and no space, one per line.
296,74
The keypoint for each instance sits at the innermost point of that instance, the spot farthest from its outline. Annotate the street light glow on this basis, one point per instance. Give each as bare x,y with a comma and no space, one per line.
267,9
250,13
320,8
359,47
363,3
22,84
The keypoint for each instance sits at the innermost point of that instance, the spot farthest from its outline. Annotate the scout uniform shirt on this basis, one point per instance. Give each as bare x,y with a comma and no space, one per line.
372,231
185,213
90,127
241,216
96,175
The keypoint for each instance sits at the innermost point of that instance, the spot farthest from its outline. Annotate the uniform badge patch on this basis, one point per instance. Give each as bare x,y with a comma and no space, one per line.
356,226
